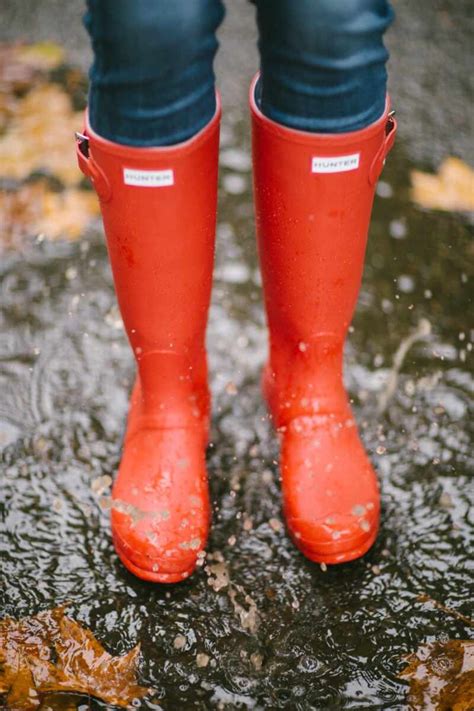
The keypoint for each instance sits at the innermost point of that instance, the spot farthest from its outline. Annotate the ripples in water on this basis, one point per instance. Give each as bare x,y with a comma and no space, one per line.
324,640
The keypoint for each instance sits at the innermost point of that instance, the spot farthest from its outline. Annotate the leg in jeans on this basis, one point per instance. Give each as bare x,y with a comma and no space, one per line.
323,63
152,81
151,149
321,131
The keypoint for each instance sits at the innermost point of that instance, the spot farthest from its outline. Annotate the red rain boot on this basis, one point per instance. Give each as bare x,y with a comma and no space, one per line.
159,210
313,197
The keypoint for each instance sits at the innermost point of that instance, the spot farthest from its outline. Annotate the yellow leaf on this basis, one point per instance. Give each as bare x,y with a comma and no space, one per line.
15,75
34,209
42,55
40,137
452,188
38,123
66,214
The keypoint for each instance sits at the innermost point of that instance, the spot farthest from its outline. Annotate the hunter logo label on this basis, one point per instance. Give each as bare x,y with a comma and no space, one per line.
148,178
336,164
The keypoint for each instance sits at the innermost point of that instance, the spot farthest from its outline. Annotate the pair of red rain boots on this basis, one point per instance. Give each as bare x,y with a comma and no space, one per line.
313,196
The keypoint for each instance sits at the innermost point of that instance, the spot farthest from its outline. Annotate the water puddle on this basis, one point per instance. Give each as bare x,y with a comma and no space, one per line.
257,626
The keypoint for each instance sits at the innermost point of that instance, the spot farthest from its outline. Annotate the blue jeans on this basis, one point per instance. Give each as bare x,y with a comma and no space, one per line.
152,80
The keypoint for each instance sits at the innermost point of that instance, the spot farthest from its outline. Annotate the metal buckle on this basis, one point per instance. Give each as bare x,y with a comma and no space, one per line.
83,143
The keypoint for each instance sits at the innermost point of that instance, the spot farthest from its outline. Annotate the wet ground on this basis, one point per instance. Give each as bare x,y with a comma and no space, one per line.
281,633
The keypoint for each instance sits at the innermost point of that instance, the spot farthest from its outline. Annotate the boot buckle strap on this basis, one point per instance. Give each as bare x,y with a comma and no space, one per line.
387,143
90,169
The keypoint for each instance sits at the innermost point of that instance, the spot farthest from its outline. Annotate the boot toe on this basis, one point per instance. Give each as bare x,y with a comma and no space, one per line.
336,538
330,493
155,553
160,504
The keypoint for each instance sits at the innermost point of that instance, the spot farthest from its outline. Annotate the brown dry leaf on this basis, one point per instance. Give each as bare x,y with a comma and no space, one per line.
40,136
21,66
113,678
34,209
21,63
15,75
452,188
441,676
20,211
50,652
68,213
25,653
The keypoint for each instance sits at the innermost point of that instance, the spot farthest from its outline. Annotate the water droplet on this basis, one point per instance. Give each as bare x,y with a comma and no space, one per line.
236,159
234,184
398,229
384,190
406,283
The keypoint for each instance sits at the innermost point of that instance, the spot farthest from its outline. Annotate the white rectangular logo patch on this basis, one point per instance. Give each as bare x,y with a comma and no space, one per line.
336,164
148,178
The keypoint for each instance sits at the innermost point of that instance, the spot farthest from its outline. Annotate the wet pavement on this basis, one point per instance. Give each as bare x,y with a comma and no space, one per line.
258,626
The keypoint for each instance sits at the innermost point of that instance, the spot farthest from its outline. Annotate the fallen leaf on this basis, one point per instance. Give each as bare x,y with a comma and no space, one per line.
15,75
19,213
249,618
42,55
22,66
51,653
67,214
37,124
33,209
40,136
441,676
452,188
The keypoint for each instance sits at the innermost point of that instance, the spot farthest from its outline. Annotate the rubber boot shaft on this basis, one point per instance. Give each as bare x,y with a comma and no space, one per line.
159,211
313,201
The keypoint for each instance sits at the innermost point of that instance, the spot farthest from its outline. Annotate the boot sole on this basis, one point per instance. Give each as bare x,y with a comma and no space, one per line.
334,557
150,575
